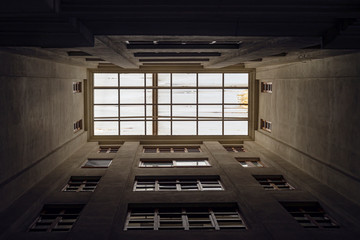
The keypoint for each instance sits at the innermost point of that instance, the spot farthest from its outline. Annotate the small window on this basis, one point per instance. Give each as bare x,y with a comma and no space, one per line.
77,88
110,149
274,182
82,184
250,162
78,126
192,149
182,217
97,163
265,125
239,148
174,163
309,214
266,87
178,184
56,218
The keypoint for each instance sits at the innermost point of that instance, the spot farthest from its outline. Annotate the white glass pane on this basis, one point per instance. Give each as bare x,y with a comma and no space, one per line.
106,111
184,111
149,112
106,128
210,128
105,79
210,79
236,96
135,111
210,110
132,96
210,95
164,79
164,111
184,128
149,128
236,79
149,79
164,95
97,163
132,128
164,128
131,79
149,95
183,79
235,128
184,95
102,96
236,111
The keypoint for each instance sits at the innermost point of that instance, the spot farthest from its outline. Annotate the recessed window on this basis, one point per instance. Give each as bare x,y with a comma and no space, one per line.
273,182
250,162
108,149
184,218
266,87
97,163
170,104
177,184
56,218
179,149
265,125
156,163
309,214
78,126
239,148
82,184
77,88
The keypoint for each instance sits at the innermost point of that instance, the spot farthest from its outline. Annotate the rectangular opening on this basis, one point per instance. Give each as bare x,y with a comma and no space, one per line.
108,149
266,87
171,149
273,182
250,162
78,126
82,184
265,125
97,163
77,87
183,162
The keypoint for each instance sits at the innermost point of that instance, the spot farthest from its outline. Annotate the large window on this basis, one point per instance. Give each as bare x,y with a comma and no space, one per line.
170,104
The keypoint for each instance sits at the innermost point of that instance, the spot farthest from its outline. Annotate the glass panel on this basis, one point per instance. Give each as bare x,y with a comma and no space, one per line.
210,128
236,79
164,95
132,128
236,96
210,95
210,79
149,79
131,79
164,79
157,164
105,79
184,110
102,96
183,79
132,96
235,128
132,111
236,111
210,110
164,127
149,112
164,111
106,111
184,95
184,128
149,96
106,128
149,128
97,163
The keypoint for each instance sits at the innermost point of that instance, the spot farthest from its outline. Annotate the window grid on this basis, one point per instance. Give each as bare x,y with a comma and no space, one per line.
174,163
155,118
104,149
77,87
265,125
78,126
178,185
235,148
273,183
266,87
253,162
171,149
184,219
81,184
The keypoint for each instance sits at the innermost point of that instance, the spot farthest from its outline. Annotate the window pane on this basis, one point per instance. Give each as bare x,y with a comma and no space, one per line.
106,111
132,96
164,111
210,110
102,96
106,128
210,95
184,128
149,128
164,79
183,79
132,128
131,79
236,111
149,96
164,127
164,95
210,79
236,79
132,111
105,79
236,96
149,112
184,111
184,95
235,128
210,128
97,163
149,79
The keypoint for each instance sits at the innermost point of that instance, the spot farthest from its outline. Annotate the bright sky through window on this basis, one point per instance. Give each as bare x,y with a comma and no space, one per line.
170,103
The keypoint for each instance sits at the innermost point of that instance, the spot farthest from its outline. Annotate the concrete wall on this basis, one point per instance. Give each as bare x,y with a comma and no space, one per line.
38,109
314,109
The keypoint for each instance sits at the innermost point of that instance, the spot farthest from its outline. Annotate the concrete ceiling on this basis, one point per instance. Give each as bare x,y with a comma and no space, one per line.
209,34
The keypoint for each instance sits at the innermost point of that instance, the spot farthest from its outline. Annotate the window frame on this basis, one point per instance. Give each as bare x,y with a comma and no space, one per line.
273,182
173,162
250,162
97,159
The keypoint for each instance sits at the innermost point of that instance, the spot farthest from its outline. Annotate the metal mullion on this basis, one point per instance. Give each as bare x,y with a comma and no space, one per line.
178,185
155,104
145,120
185,219
223,100
135,185
213,220
156,219
197,103
119,105
199,184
